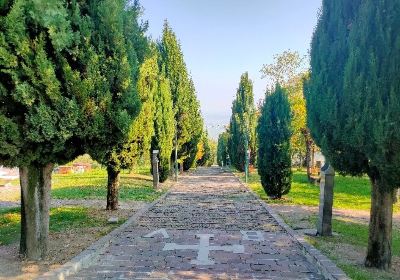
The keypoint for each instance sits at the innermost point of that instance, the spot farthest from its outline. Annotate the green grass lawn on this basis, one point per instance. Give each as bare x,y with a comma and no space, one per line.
92,185
61,219
349,192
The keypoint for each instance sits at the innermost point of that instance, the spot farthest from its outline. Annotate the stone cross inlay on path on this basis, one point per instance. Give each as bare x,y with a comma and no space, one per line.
204,249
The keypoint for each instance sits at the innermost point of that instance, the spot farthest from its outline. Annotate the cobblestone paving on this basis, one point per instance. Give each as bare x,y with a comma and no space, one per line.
208,227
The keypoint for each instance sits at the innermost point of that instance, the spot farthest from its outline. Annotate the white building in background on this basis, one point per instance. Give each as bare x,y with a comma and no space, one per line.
9,173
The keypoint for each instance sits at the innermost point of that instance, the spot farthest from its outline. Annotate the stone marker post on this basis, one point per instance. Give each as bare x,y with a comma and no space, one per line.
154,161
324,226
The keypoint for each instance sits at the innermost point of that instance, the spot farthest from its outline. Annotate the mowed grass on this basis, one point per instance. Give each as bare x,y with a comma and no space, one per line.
61,219
349,192
93,185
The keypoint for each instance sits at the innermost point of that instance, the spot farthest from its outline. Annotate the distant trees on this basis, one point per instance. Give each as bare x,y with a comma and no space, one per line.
242,127
274,161
222,149
353,103
206,151
189,123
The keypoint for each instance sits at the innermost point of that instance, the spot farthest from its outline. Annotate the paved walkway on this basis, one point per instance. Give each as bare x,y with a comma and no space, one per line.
208,227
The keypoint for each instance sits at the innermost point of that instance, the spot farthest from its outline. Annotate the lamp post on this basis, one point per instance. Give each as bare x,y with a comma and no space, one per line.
176,152
246,147
155,169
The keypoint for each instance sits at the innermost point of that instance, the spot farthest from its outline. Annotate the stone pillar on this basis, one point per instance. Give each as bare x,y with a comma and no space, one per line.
324,226
154,161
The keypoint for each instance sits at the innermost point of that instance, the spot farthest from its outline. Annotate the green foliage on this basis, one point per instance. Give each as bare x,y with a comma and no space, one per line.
288,70
274,162
353,103
213,152
164,126
222,149
39,115
204,155
66,80
327,117
243,124
187,107
119,30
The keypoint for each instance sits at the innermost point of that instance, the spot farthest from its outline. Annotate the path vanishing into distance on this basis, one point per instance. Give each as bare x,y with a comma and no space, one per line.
209,226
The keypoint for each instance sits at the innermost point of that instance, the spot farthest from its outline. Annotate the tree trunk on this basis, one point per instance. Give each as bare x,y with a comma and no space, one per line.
312,155
35,209
379,253
112,188
309,143
308,160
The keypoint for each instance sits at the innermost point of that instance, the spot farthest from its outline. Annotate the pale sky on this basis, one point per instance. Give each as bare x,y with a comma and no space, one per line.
221,39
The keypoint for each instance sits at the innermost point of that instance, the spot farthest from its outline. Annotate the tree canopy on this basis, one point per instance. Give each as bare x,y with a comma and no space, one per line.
243,124
353,103
186,106
274,132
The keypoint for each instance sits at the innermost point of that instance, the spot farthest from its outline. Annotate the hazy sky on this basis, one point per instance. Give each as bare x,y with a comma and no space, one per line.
221,39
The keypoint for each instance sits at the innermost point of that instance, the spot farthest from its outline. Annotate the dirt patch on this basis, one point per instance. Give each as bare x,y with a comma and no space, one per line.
63,246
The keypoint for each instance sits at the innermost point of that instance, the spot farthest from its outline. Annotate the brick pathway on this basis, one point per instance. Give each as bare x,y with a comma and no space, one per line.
208,227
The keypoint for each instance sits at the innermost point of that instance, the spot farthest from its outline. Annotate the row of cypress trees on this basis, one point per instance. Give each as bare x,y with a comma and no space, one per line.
353,105
82,77
264,134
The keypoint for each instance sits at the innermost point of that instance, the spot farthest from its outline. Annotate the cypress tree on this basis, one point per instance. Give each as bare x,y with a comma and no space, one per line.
274,160
187,108
243,124
56,102
353,103
164,126
114,42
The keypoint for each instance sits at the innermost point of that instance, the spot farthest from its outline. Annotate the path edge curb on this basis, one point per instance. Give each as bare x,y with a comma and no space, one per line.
90,255
324,265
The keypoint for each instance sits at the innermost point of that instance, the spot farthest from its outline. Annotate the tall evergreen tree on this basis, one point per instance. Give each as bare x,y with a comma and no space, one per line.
288,70
274,159
204,153
353,103
243,124
187,108
115,44
164,126
55,98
